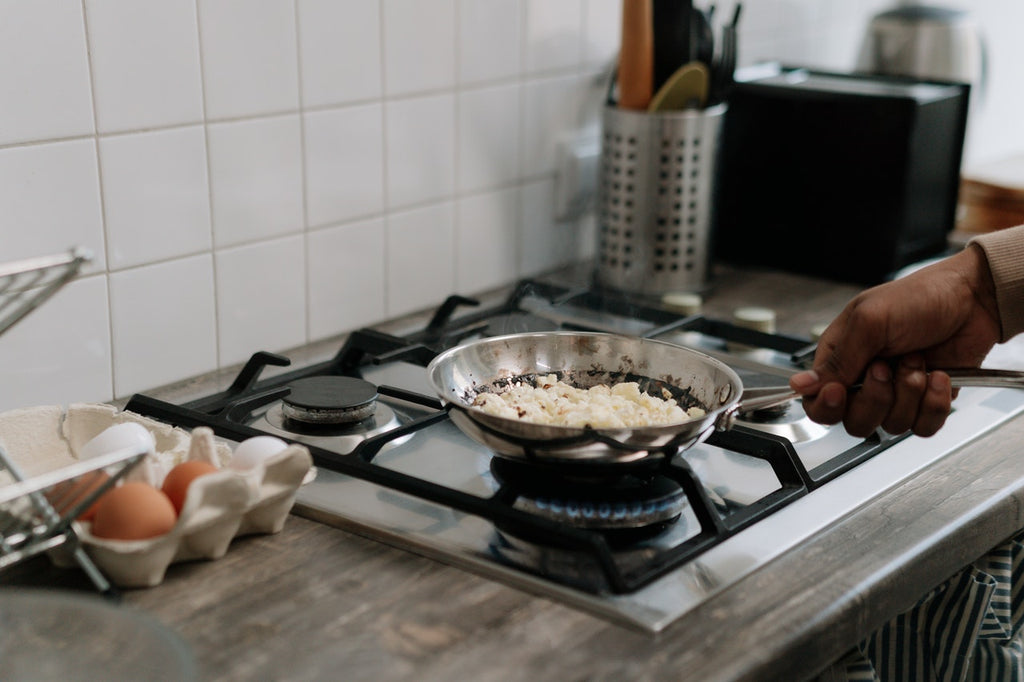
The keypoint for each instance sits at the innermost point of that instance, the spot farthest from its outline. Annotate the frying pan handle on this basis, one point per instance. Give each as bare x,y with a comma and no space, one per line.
995,378
754,399
769,396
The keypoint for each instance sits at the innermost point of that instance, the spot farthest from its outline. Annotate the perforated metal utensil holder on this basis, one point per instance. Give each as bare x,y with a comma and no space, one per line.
656,194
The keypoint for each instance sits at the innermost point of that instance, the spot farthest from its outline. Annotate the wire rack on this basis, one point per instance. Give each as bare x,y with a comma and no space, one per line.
36,514
26,284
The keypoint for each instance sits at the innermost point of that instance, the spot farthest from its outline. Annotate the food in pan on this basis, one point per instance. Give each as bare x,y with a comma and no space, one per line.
548,400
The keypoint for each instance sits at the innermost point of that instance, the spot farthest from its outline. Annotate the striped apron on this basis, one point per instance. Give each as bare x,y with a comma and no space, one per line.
966,629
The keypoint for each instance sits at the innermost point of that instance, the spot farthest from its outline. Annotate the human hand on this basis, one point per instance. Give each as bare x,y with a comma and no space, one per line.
889,336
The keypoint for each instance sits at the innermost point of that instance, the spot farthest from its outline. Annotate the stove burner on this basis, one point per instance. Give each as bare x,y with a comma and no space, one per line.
330,400
341,438
568,566
786,420
623,502
770,413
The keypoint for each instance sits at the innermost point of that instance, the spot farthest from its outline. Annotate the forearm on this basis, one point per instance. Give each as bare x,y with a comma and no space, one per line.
1004,256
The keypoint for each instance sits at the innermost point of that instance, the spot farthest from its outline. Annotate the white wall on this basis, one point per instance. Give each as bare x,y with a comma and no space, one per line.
257,175
827,34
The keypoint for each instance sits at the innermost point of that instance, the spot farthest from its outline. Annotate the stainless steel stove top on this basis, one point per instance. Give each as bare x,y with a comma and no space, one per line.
444,455
413,480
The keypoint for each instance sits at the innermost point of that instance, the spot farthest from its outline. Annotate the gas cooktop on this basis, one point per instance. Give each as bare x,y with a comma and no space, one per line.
640,547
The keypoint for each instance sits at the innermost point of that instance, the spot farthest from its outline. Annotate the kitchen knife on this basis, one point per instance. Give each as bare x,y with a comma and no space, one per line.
636,55
673,43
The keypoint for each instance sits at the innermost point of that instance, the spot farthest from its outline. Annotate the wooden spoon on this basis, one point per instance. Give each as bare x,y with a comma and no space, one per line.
636,55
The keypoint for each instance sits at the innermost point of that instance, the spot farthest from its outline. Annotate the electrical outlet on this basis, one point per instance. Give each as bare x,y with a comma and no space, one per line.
577,157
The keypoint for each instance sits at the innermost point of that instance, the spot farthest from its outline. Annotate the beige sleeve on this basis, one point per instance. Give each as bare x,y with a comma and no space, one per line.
1004,250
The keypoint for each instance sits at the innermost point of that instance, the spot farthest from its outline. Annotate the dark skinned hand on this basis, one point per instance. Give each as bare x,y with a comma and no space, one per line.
890,337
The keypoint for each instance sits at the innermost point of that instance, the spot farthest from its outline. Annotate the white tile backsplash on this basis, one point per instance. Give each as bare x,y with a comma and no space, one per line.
419,135
347,265
152,80
258,175
489,139
164,323
61,352
50,200
156,196
419,45
339,51
554,36
261,298
551,106
255,179
421,257
543,241
601,31
487,240
44,84
344,163
490,40
249,57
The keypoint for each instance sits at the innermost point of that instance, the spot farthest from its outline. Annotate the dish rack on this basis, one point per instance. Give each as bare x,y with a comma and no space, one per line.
26,284
36,513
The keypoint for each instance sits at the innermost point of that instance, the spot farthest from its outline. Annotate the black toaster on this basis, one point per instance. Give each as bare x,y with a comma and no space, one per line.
844,176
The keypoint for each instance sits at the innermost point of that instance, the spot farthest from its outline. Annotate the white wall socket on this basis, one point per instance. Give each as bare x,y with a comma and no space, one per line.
577,155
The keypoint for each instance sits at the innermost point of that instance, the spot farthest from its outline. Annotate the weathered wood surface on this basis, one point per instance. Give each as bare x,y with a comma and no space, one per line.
317,603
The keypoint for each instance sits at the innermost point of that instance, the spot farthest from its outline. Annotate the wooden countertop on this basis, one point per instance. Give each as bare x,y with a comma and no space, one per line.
317,603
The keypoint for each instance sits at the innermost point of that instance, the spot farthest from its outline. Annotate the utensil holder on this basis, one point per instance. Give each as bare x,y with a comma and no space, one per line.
656,199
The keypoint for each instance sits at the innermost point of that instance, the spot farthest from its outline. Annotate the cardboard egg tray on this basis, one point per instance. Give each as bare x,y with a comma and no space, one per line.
218,507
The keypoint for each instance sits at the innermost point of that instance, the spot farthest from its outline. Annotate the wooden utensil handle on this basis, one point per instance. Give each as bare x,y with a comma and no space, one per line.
636,55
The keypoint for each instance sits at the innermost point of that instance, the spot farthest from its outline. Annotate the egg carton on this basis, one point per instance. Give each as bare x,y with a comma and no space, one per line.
218,507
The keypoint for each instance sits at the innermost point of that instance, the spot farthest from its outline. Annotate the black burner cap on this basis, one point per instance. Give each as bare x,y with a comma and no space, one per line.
330,399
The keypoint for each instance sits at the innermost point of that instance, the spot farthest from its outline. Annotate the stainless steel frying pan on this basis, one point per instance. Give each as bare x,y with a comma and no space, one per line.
583,360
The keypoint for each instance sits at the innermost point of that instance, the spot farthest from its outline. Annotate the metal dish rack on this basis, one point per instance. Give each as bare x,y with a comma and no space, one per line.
36,514
26,284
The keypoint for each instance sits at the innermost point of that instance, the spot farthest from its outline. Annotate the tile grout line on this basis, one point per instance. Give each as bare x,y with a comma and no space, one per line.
209,190
385,194
456,238
306,249
112,343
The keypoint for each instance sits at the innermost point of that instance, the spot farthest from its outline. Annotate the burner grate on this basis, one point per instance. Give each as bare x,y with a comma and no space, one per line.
230,414
498,508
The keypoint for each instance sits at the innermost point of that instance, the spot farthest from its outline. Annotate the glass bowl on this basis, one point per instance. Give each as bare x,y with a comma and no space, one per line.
63,635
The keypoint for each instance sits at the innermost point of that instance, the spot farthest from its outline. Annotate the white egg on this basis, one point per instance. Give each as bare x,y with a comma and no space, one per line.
252,452
128,435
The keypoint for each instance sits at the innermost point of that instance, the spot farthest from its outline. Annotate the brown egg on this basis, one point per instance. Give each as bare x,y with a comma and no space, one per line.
179,479
133,511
